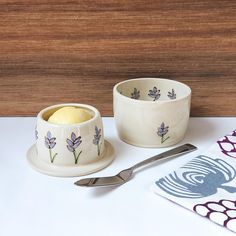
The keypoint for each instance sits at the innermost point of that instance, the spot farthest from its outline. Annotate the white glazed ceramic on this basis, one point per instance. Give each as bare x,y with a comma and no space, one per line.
64,150
73,170
151,112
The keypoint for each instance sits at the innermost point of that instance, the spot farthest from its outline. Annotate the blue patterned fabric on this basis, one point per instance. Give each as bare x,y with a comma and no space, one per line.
199,178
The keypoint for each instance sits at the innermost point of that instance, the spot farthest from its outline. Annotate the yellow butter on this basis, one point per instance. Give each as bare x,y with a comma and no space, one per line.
69,115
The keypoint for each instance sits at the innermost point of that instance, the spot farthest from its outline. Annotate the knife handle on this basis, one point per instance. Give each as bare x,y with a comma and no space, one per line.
183,149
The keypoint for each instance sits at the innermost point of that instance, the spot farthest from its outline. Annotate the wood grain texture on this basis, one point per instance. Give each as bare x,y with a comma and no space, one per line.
75,51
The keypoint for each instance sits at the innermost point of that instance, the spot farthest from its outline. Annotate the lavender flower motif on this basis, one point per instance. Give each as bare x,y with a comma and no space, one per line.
50,144
154,93
97,138
36,133
135,94
172,94
228,144
73,144
162,131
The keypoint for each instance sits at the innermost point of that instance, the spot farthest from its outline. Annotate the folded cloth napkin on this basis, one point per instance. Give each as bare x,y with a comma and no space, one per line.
206,184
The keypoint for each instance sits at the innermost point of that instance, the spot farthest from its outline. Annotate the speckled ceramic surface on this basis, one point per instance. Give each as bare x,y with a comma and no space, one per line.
151,112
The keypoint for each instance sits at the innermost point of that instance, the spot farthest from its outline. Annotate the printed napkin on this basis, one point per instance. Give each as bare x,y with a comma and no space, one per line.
206,184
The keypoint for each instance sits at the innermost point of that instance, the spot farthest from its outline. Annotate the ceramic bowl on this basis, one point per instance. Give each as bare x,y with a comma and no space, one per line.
69,145
151,112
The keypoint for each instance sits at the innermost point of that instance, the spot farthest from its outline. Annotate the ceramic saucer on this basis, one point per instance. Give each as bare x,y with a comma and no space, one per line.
71,171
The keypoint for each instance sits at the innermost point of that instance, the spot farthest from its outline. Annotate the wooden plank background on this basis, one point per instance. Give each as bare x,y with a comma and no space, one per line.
75,51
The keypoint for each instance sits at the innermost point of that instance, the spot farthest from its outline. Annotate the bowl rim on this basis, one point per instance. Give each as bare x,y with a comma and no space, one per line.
115,91
81,105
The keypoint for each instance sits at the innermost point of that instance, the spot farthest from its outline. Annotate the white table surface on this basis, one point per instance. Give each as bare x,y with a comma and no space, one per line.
38,205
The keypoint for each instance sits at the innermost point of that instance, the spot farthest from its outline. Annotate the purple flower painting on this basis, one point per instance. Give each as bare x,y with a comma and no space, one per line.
50,144
162,131
97,139
36,133
228,145
172,94
135,94
154,93
73,144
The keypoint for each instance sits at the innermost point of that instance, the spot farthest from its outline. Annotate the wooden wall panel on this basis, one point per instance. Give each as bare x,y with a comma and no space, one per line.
75,51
